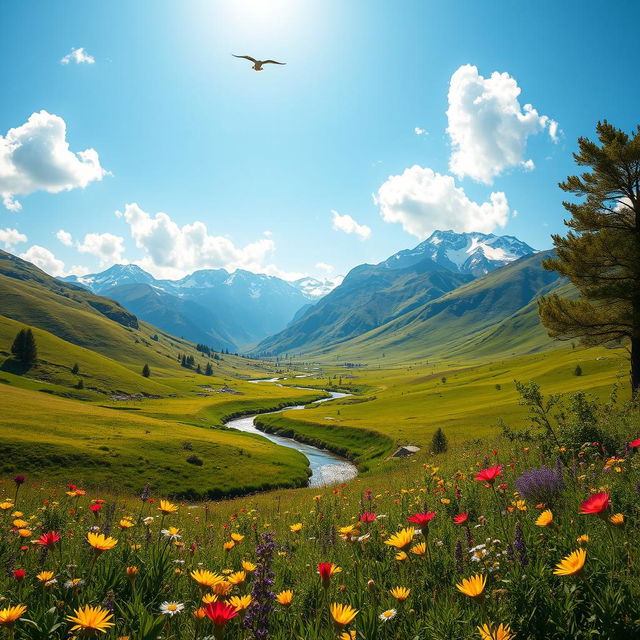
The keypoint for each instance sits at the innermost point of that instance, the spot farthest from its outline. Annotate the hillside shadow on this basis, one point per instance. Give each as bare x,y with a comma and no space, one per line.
11,365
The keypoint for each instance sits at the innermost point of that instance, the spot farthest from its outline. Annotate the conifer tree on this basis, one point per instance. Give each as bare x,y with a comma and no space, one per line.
75,369
439,443
146,372
601,253
24,347
209,370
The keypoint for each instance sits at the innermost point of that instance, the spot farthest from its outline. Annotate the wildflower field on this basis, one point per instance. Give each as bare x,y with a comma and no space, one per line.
495,544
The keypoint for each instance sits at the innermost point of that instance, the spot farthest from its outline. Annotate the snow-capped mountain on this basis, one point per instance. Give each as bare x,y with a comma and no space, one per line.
222,309
314,288
473,253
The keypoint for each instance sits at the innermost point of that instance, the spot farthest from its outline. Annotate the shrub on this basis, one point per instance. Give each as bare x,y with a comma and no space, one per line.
439,443
194,459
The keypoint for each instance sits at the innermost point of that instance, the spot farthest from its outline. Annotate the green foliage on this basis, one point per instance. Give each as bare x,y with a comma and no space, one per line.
146,372
75,369
24,348
601,253
577,371
439,442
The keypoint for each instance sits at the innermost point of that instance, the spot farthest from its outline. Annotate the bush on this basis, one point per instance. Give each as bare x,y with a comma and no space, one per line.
146,372
577,371
194,459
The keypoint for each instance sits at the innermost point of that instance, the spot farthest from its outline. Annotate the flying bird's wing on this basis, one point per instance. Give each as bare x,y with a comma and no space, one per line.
272,62
245,57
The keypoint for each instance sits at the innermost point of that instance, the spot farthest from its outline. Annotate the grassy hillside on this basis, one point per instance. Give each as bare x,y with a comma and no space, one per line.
492,316
406,404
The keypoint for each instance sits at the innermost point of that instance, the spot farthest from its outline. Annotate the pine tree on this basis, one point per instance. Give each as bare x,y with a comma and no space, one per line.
439,443
601,253
75,369
577,371
198,368
209,370
17,348
146,372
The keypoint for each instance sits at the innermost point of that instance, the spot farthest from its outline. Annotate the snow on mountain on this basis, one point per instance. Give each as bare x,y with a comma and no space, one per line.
473,253
313,288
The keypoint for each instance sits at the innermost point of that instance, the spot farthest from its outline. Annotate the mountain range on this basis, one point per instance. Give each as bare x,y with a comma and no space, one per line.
211,306
483,277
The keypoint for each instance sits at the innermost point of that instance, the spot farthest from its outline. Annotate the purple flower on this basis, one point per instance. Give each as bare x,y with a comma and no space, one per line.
257,617
540,485
19,479
520,545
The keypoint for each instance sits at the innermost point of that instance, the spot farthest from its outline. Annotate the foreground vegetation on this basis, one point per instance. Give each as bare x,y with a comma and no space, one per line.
540,539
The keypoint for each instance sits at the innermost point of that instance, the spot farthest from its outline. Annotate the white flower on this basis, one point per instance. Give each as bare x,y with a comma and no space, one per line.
171,535
387,615
171,608
148,520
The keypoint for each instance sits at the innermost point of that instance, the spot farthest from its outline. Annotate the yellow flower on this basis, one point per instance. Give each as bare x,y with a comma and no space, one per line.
401,539
617,519
545,519
342,614
6,505
209,597
19,523
571,564
583,539
125,523
285,598
131,571
474,586
24,533
401,555
237,537
501,632
100,542
200,613
349,530
240,603
296,528
400,593
9,615
248,566
237,578
445,500
90,619
44,576
348,635
419,549
227,546
167,507
222,588
206,578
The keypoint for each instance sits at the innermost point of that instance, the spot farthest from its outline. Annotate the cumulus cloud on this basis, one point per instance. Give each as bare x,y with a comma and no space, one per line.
65,237
9,238
347,224
172,250
36,157
488,127
44,259
323,266
106,246
79,56
419,131
422,201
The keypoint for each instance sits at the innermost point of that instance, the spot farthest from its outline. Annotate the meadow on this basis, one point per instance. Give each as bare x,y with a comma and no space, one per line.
519,542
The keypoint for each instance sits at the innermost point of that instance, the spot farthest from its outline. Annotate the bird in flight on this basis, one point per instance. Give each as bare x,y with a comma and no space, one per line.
257,64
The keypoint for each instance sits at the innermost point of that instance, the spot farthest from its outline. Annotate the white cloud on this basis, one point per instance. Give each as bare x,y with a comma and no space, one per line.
11,237
347,224
79,56
488,127
106,246
423,201
172,250
419,131
36,157
323,266
44,259
65,237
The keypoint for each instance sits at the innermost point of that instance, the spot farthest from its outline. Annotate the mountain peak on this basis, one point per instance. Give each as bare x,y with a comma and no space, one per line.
473,253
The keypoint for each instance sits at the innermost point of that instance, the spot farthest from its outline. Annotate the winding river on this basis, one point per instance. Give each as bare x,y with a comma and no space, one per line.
326,467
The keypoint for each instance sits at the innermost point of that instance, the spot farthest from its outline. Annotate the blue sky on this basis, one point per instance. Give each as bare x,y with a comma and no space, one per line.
261,160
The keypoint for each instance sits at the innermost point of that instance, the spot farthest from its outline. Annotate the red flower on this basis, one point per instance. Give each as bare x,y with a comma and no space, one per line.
220,612
19,574
635,443
489,475
460,518
326,570
422,519
48,539
597,503
19,479
72,487
367,517
95,507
